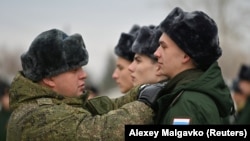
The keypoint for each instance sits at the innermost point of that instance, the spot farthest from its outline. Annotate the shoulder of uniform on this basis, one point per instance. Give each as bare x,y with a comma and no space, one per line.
196,98
44,101
194,95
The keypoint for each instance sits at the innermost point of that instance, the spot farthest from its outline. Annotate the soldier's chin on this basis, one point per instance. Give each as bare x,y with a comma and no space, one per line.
79,94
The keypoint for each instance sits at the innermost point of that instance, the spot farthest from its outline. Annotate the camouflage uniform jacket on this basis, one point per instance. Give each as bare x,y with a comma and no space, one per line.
41,114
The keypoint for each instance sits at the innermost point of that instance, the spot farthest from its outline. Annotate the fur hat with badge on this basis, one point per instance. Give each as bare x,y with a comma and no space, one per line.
147,41
53,52
195,33
124,46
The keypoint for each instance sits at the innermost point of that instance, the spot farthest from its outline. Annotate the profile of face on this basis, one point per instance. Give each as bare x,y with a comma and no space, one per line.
144,70
5,100
170,56
239,99
121,75
244,86
69,84
240,96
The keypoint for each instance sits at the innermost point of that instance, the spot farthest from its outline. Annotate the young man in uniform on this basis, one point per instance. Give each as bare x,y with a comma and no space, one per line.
196,92
125,56
145,69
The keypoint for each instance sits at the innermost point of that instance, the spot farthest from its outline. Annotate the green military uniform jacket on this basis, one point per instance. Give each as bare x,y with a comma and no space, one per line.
41,114
4,117
244,117
195,97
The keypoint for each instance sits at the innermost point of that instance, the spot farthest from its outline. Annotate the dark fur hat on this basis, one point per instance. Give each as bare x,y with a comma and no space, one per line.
195,33
4,87
147,41
124,46
134,30
244,73
53,52
235,86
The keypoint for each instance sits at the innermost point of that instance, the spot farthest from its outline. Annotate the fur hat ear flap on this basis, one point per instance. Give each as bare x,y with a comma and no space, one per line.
195,33
53,52
124,47
147,41
244,73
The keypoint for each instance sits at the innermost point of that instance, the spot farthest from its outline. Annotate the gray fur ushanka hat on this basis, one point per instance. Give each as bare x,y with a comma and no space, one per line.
124,45
134,30
195,33
53,52
244,73
147,41
4,87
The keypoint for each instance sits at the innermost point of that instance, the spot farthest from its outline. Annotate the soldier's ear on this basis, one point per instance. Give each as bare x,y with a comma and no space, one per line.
48,82
186,58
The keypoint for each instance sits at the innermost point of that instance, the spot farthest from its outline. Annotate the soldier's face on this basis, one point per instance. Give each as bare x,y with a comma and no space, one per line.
121,75
244,86
143,70
170,56
70,83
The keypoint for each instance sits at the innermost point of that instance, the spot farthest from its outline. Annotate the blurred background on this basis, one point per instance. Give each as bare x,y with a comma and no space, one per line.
101,23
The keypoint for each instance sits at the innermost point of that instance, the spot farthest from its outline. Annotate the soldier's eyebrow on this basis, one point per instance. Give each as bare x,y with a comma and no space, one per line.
137,57
162,43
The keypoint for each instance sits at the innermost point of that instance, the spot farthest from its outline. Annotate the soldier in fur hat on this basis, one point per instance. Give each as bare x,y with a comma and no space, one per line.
196,92
145,69
4,110
242,98
49,100
240,87
244,79
125,56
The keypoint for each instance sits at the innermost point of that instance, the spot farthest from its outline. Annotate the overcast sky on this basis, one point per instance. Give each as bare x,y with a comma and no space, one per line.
100,22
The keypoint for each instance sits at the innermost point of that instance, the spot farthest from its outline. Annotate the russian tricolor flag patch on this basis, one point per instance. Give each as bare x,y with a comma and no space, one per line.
181,121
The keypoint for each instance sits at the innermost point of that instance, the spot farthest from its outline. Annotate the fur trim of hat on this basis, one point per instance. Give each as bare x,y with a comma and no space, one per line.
134,30
147,41
53,52
244,73
195,33
124,46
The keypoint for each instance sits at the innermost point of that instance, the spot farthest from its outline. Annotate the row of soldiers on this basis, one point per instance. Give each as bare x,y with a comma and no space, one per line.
174,73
